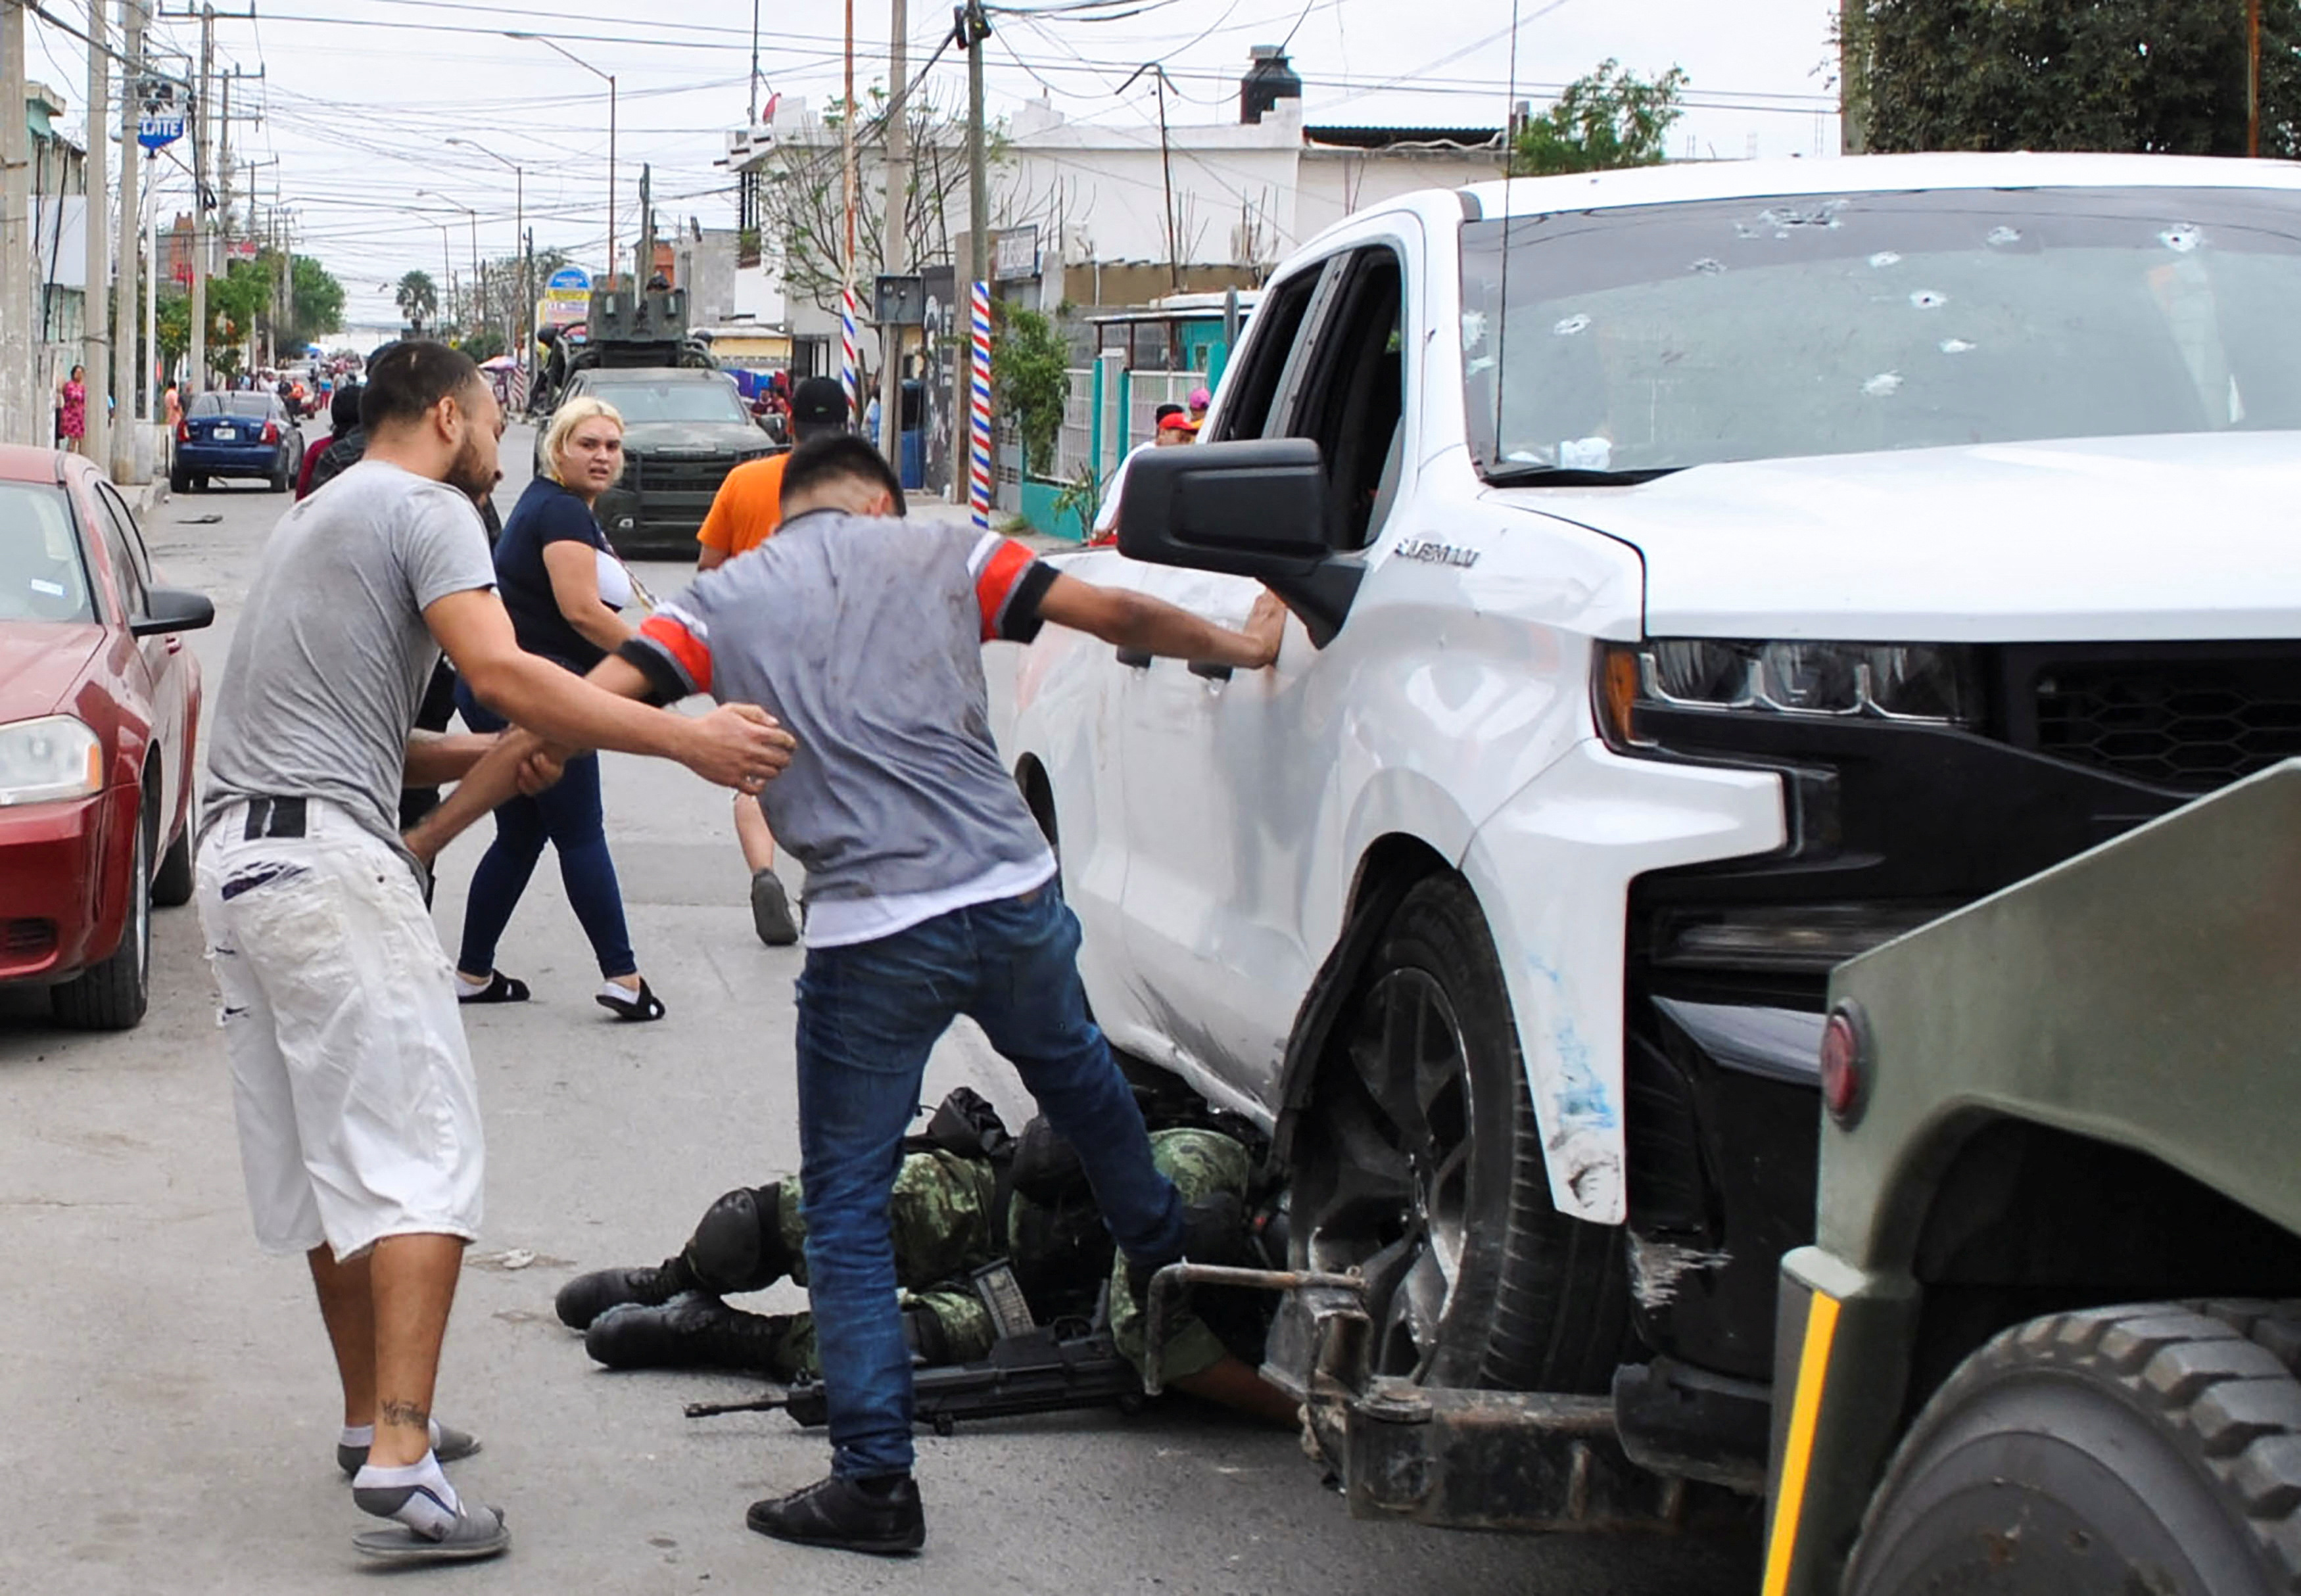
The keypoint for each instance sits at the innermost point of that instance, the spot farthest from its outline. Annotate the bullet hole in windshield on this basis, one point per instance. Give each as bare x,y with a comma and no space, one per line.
1571,325
1998,238
1782,220
1709,266
1928,299
1474,328
2180,238
1885,258
1883,384
1955,346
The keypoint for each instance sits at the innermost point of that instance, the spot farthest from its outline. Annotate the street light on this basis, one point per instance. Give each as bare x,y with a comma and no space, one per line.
513,336
613,266
479,282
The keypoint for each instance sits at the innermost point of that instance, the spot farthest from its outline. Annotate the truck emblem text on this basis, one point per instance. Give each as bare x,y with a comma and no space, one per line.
1437,554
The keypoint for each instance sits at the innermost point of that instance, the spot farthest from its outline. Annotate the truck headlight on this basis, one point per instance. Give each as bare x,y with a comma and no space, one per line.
1923,682
56,756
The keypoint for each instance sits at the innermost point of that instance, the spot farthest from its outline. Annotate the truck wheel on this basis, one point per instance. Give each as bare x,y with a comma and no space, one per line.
2148,1447
112,996
1419,1163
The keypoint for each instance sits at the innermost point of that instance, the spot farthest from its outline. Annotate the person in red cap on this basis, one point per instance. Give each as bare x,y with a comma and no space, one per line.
1170,424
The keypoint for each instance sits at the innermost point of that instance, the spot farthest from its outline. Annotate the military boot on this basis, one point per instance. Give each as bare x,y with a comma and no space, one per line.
586,1296
696,1330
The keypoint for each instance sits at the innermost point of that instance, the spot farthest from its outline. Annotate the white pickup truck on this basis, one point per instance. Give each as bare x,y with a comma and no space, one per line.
1701,575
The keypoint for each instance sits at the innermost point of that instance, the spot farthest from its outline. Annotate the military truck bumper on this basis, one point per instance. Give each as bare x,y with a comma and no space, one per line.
1841,1374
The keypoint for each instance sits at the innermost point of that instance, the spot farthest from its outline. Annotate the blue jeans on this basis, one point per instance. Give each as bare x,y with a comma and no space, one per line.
568,815
868,1016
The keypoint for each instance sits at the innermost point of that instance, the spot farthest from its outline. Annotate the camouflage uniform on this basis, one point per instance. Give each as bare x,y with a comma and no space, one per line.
944,1220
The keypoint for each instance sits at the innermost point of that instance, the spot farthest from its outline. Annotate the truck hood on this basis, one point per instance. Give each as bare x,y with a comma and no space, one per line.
656,438
40,662
2141,538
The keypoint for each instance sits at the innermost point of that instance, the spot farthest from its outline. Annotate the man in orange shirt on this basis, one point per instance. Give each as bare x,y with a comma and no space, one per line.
749,503
744,514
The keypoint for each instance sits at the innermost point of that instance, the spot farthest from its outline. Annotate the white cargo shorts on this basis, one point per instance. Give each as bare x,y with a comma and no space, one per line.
359,1117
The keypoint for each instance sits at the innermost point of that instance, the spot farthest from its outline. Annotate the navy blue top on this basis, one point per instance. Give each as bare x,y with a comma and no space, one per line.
547,513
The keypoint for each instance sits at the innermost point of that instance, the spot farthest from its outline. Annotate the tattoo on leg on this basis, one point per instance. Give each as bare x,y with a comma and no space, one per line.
398,1410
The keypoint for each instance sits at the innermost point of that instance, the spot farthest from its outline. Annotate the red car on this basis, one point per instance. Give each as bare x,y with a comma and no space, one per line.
99,706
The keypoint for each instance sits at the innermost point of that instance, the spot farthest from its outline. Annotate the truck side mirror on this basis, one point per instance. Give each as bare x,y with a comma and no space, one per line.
1253,508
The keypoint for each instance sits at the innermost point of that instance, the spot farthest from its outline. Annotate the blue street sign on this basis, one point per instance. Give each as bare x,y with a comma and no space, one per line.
569,279
157,129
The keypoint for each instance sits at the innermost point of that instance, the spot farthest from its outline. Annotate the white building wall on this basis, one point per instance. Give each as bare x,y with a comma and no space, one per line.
1335,182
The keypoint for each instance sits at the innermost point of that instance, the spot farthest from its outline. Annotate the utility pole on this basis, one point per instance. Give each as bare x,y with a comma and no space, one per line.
18,411
131,239
972,28
895,250
196,379
96,314
1853,77
2253,78
849,363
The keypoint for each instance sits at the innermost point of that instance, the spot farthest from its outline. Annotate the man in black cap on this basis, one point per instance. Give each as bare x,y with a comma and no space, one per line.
744,514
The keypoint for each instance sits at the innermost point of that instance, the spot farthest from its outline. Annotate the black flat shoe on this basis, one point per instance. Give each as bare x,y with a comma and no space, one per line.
841,1513
500,989
642,1005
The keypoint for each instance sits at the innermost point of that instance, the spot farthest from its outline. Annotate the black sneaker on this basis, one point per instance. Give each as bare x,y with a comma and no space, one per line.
588,1296
847,1515
693,1331
771,914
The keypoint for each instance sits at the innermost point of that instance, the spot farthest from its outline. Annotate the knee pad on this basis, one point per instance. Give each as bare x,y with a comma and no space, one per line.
736,1245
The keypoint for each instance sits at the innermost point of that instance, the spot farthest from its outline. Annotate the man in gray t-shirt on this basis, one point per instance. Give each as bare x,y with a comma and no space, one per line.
332,655
358,1118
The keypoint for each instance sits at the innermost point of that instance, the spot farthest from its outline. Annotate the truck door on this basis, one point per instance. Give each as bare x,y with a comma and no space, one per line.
1231,781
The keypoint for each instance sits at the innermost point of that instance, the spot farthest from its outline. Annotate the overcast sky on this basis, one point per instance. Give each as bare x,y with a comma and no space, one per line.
359,96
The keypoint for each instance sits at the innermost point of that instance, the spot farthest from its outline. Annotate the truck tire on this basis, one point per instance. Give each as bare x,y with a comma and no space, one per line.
112,996
1419,1163
2155,1446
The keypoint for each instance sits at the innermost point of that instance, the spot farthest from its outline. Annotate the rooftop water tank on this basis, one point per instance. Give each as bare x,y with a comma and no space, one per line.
1266,82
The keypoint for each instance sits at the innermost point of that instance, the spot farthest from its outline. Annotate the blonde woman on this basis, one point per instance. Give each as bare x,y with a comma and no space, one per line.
565,591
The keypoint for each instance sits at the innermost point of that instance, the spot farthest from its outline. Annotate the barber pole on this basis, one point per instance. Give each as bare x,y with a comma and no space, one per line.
978,481
847,372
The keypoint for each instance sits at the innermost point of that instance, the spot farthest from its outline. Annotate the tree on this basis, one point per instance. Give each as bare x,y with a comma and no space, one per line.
319,304
418,298
1030,378
1607,120
802,203
2161,76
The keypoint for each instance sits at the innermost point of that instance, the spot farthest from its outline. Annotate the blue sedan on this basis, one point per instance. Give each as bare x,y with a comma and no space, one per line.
237,435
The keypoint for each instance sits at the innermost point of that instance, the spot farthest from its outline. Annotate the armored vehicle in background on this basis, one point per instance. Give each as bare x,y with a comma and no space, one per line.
2047,1335
685,426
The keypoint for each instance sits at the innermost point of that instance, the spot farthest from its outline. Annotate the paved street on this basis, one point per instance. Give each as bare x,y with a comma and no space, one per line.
166,1405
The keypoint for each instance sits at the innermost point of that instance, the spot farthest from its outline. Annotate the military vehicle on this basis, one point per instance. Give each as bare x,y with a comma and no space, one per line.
2045,1338
685,426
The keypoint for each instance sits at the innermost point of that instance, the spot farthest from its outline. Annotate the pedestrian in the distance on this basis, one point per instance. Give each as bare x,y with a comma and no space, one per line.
565,591
359,1114
71,415
343,420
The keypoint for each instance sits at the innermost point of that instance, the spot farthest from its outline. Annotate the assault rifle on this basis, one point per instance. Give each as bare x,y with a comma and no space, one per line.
1040,1371
1030,1368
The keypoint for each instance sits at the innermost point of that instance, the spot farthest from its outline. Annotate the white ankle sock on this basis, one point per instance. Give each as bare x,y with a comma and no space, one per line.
616,992
431,1503
358,1435
466,987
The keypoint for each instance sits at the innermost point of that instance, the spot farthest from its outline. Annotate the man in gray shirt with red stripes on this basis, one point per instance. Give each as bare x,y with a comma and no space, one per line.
930,894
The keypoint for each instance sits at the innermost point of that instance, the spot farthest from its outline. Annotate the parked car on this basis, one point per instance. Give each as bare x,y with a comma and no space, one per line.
683,431
1701,575
99,711
237,435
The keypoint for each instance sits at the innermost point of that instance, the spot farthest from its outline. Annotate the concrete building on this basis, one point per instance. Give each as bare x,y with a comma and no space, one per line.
59,239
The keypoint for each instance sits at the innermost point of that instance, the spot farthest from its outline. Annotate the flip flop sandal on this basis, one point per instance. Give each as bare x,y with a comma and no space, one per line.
646,1006
475,1535
448,1444
500,989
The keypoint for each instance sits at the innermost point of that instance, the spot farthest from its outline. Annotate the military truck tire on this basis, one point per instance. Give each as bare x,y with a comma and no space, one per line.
2155,1446
1419,1162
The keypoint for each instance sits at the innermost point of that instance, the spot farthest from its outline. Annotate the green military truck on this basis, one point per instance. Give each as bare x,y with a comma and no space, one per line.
2047,1337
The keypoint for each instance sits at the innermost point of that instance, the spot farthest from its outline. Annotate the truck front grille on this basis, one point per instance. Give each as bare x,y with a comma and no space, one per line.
2188,723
